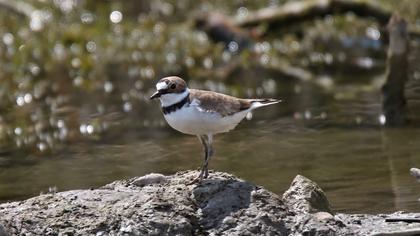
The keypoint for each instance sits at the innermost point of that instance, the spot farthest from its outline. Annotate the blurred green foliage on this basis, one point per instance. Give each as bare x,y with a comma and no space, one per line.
69,64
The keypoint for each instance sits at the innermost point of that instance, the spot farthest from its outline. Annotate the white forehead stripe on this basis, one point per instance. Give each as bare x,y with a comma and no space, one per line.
161,85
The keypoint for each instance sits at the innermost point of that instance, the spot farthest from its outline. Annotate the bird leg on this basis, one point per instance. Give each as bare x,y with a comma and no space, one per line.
209,155
206,153
206,141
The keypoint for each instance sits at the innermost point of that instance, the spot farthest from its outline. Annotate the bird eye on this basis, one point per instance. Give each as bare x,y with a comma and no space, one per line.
173,86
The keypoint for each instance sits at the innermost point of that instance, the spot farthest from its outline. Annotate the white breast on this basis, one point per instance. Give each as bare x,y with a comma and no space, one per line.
196,121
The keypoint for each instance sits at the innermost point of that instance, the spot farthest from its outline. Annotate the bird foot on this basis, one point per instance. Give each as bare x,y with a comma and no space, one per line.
194,181
199,178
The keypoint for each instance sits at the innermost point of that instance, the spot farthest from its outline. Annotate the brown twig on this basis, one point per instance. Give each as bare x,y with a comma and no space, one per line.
18,7
299,11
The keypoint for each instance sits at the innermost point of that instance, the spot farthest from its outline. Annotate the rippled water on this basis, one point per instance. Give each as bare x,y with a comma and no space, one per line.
334,139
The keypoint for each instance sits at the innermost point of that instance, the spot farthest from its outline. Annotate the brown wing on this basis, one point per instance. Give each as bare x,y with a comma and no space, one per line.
216,102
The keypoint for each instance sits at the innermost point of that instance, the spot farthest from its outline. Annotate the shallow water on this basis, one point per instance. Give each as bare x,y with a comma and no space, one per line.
338,143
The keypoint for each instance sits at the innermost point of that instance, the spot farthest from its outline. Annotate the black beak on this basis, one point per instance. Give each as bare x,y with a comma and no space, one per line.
156,95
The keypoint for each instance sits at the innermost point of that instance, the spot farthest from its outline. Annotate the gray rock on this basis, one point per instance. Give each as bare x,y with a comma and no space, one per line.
3,231
169,205
322,216
151,178
415,172
222,205
305,196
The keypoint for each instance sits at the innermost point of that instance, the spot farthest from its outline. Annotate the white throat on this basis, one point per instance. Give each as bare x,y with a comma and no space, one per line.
172,98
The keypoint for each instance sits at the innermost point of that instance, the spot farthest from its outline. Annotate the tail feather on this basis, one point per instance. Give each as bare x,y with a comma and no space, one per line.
256,103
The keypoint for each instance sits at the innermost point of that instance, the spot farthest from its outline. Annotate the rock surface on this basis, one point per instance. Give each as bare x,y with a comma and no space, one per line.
305,196
168,205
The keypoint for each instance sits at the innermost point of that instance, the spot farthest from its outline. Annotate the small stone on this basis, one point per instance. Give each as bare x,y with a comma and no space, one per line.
228,220
415,172
322,216
305,196
149,179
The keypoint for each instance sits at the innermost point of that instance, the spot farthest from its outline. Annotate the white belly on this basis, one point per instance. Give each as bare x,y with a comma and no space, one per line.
192,120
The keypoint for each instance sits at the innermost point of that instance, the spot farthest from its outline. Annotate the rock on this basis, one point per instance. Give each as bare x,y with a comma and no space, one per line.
163,205
305,196
3,231
322,216
169,205
152,178
415,172
363,224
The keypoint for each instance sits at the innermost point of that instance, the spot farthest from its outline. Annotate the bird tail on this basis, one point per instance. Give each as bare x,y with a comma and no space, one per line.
256,103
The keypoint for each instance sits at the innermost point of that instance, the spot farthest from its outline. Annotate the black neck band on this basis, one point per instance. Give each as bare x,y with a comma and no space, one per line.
176,106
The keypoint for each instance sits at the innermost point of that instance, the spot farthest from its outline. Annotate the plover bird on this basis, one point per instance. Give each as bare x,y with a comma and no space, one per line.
202,113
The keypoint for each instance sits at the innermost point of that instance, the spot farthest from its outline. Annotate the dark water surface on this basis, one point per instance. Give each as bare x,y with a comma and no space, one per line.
336,140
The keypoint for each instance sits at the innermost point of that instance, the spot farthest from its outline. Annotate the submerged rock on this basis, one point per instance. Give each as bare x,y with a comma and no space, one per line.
169,205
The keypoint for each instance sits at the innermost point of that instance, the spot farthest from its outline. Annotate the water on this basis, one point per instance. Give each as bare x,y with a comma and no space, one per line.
338,143
75,109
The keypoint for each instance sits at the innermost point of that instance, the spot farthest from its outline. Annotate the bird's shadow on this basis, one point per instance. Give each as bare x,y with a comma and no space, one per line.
218,198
